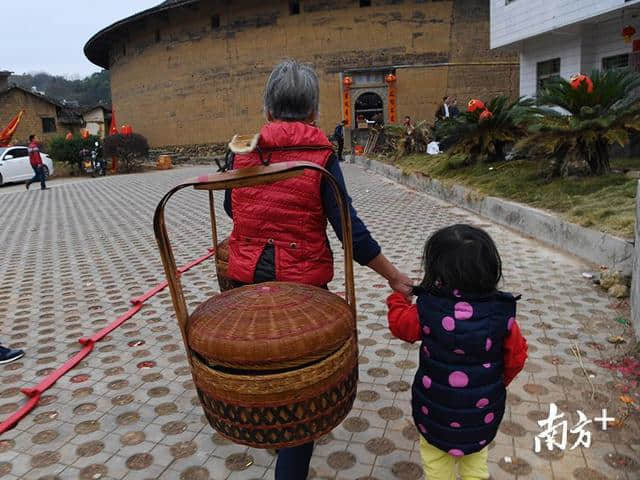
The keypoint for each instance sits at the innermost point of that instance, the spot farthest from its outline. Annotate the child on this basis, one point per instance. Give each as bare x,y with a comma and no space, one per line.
471,350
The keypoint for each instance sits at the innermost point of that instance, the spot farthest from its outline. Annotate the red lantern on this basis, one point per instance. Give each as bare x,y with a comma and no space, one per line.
628,32
347,81
579,79
85,134
486,115
475,105
69,136
390,78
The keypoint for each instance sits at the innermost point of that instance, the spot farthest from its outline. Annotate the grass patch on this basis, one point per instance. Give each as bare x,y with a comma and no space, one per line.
605,203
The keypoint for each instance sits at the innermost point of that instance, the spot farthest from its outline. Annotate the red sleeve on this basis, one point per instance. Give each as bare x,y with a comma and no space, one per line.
403,318
515,353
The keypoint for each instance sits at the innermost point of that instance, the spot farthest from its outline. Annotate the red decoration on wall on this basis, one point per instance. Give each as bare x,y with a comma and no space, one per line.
391,97
627,33
346,100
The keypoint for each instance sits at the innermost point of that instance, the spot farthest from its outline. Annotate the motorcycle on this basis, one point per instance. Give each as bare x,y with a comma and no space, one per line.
92,161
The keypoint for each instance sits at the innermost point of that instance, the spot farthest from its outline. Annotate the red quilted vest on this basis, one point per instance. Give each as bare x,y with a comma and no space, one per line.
287,214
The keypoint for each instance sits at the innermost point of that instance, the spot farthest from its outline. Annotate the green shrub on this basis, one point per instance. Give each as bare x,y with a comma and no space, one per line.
131,150
480,139
578,139
68,151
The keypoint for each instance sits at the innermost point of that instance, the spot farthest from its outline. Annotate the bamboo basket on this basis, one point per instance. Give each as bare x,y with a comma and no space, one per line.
275,364
222,265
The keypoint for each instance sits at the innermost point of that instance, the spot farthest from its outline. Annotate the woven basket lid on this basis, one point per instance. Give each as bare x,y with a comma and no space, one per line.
274,325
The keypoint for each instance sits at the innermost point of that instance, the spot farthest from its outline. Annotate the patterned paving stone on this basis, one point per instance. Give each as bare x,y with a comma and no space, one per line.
129,410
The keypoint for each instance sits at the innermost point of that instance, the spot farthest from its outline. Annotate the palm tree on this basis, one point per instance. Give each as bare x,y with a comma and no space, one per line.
579,122
482,136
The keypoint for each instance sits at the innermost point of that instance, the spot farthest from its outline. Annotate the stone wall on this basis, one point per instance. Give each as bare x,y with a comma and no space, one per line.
190,154
179,80
35,109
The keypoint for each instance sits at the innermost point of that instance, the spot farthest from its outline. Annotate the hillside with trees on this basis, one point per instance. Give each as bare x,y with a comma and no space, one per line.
88,91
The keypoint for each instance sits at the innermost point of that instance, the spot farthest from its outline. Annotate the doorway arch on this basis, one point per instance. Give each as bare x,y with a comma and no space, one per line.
368,105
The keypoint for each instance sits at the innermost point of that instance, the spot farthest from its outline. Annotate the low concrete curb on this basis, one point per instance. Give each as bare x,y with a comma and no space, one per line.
635,279
590,245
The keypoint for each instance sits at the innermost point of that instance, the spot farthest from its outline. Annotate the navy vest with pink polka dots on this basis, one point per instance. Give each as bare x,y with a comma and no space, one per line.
458,391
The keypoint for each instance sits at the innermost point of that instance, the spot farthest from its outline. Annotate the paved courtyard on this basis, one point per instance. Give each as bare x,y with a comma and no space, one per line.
72,257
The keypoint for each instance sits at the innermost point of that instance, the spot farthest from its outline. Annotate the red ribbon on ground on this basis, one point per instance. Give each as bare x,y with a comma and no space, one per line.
34,393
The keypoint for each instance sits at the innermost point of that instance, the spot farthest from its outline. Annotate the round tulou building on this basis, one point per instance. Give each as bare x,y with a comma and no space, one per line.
191,72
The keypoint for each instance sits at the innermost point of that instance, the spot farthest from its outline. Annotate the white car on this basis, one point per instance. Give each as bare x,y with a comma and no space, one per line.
15,165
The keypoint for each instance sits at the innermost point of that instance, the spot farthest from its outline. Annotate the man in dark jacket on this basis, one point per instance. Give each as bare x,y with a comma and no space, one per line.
454,111
338,135
443,111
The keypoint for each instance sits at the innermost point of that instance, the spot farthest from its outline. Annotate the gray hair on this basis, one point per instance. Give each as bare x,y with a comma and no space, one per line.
292,92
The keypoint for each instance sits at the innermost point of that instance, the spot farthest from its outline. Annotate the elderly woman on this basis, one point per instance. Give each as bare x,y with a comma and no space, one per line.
279,230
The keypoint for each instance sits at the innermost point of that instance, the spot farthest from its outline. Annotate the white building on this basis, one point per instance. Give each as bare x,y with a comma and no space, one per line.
563,37
97,120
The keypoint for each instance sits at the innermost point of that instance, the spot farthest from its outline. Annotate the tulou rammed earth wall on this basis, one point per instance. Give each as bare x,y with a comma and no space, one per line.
194,74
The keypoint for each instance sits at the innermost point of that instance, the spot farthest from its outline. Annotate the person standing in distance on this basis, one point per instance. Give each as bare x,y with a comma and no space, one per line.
36,163
338,134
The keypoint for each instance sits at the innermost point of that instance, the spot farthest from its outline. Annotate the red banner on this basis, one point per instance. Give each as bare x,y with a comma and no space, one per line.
391,97
113,130
346,100
7,134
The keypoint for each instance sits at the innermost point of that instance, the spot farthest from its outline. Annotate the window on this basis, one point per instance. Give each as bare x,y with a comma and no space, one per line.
365,3
48,124
215,22
124,50
158,36
546,71
294,8
616,62
507,2
19,152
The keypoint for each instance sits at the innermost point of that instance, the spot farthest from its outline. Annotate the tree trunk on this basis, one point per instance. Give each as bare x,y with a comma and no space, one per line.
498,154
597,156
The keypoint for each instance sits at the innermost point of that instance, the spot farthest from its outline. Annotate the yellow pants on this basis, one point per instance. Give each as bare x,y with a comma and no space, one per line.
439,465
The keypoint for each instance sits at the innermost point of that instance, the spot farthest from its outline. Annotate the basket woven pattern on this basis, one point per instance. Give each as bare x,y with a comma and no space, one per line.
258,389
270,326
222,260
288,425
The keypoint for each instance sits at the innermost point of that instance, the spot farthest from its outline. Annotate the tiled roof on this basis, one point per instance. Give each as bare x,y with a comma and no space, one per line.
97,48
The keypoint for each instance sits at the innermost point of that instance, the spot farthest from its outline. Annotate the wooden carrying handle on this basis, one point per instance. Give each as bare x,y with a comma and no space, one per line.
245,177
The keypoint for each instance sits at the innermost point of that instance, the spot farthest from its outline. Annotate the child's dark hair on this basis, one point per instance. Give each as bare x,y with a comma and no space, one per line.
461,257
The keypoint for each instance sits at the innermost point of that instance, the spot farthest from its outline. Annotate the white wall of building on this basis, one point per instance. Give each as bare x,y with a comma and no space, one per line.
545,48
604,40
522,19
95,122
579,52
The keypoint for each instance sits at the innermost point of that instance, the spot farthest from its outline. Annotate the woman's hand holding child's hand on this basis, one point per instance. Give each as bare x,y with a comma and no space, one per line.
401,283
